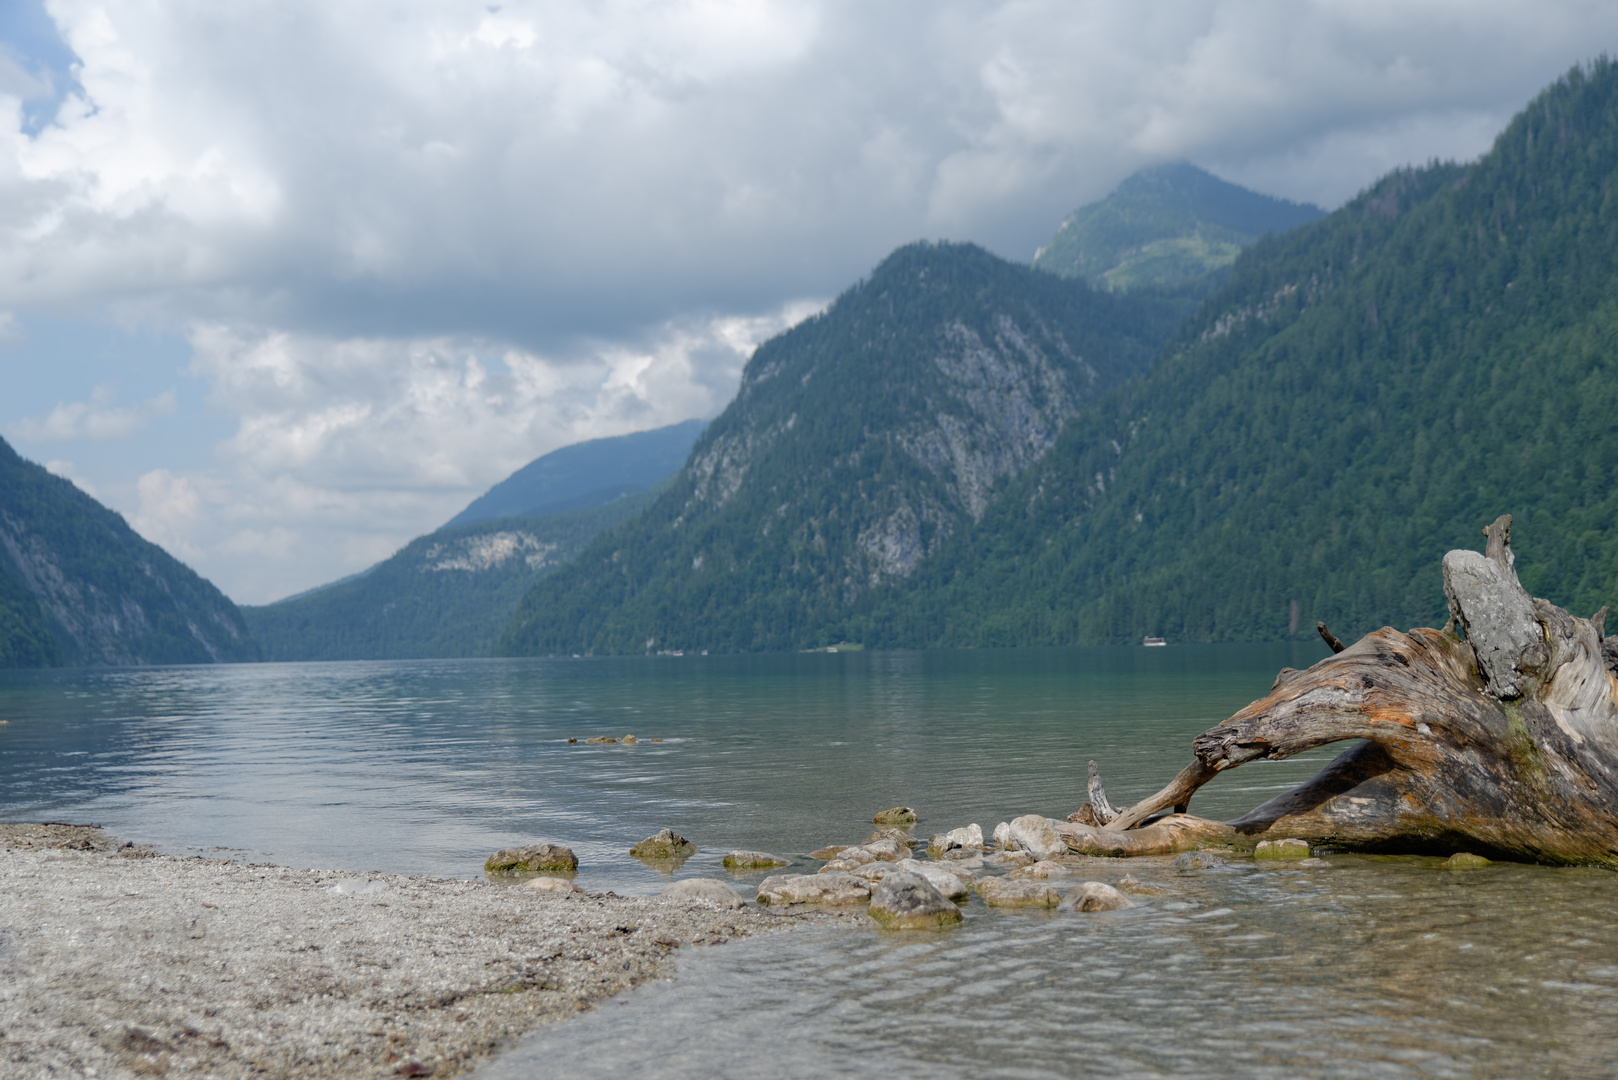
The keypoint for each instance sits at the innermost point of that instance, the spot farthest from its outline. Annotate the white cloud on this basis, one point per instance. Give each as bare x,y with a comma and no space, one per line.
416,243
98,419
67,471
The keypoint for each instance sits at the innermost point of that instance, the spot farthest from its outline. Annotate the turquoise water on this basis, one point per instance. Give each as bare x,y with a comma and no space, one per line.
1372,967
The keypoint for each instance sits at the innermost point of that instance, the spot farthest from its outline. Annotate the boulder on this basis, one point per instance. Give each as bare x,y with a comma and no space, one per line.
532,857
554,886
1002,892
1281,849
1044,868
813,889
1096,896
1038,836
969,837
710,890
906,901
1010,858
630,739
872,871
848,858
890,845
950,884
751,860
829,851
667,844
898,815
1002,835
1195,860
1465,860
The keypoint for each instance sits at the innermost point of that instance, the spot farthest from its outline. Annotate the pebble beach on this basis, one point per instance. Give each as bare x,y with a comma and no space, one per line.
119,961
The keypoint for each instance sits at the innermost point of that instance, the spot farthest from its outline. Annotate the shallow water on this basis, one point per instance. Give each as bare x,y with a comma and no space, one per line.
1373,967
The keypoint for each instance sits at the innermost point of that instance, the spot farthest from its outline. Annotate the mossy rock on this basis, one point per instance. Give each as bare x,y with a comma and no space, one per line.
1465,860
1282,849
751,860
667,844
898,815
547,857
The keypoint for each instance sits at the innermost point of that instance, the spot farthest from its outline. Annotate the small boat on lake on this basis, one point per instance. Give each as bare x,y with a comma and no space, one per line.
1150,641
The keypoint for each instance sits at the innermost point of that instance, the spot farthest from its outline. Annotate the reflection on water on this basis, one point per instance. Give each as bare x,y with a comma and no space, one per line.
1374,967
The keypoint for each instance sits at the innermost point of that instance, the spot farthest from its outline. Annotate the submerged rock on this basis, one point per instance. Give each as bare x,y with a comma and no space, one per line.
553,885
1042,869
751,860
834,888
1098,896
906,901
898,815
1129,884
830,851
1465,860
667,844
1195,860
1281,849
1002,892
532,857
950,884
630,739
711,890
969,837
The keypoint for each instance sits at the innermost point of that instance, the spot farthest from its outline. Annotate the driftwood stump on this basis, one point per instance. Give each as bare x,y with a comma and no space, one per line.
1497,735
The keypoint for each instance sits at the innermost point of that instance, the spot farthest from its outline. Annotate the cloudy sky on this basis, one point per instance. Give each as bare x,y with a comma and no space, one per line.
288,282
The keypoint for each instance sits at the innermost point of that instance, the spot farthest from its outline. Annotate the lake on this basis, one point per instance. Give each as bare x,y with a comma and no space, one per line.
1372,967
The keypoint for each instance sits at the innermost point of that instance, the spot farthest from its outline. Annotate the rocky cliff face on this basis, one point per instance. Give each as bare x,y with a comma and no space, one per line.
100,593
858,443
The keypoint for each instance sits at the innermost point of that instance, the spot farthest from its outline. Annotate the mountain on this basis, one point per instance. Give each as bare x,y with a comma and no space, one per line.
1165,227
586,474
1364,394
79,587
859,443
446,594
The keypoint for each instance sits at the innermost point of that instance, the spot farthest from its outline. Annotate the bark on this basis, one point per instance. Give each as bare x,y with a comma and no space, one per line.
1496,735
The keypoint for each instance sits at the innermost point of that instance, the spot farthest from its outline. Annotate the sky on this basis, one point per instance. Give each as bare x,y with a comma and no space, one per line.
289,282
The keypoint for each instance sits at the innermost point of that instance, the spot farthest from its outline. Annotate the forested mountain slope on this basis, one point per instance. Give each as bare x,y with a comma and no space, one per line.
79,587
586,474
449,593
1364,395
860,442
1164,227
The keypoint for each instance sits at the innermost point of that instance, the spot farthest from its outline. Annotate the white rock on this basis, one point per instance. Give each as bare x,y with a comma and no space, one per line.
560,886
1002,835
1001,892
833,888
709,889
968,836
1037,835
939,878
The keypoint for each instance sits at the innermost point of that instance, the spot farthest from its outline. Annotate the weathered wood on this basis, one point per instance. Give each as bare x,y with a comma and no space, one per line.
1500,737
1100,808
1329,638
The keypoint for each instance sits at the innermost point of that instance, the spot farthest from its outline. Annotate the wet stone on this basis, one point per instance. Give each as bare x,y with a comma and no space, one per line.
1001,892
1098,896
751,860
830,851
667,844
1282,849
554,886
551,857
709,890
967,838
1465,860
1195,860
904,900
898,815
834,888
946,881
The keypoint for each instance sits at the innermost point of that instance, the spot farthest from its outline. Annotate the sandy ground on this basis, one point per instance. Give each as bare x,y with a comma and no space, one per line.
116,961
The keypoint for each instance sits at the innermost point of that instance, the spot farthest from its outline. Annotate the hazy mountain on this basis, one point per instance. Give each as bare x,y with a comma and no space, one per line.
446,594
1365,394
860,442
1164,227
586,474
79,587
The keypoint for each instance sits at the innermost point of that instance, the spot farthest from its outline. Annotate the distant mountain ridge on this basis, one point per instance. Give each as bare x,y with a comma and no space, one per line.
79,587
1165,226
859,442
591,473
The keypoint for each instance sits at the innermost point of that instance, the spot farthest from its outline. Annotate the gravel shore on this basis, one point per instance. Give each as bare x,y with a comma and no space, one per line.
117,961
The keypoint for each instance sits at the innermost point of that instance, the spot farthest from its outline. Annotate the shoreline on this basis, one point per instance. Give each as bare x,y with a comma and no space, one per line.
120,961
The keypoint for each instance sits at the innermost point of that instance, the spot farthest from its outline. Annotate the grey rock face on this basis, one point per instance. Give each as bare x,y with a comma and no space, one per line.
532,857
1498,616
710,890
904,900
1098,896
833,888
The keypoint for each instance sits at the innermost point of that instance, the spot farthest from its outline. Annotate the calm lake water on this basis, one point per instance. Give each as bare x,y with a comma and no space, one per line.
1373,967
